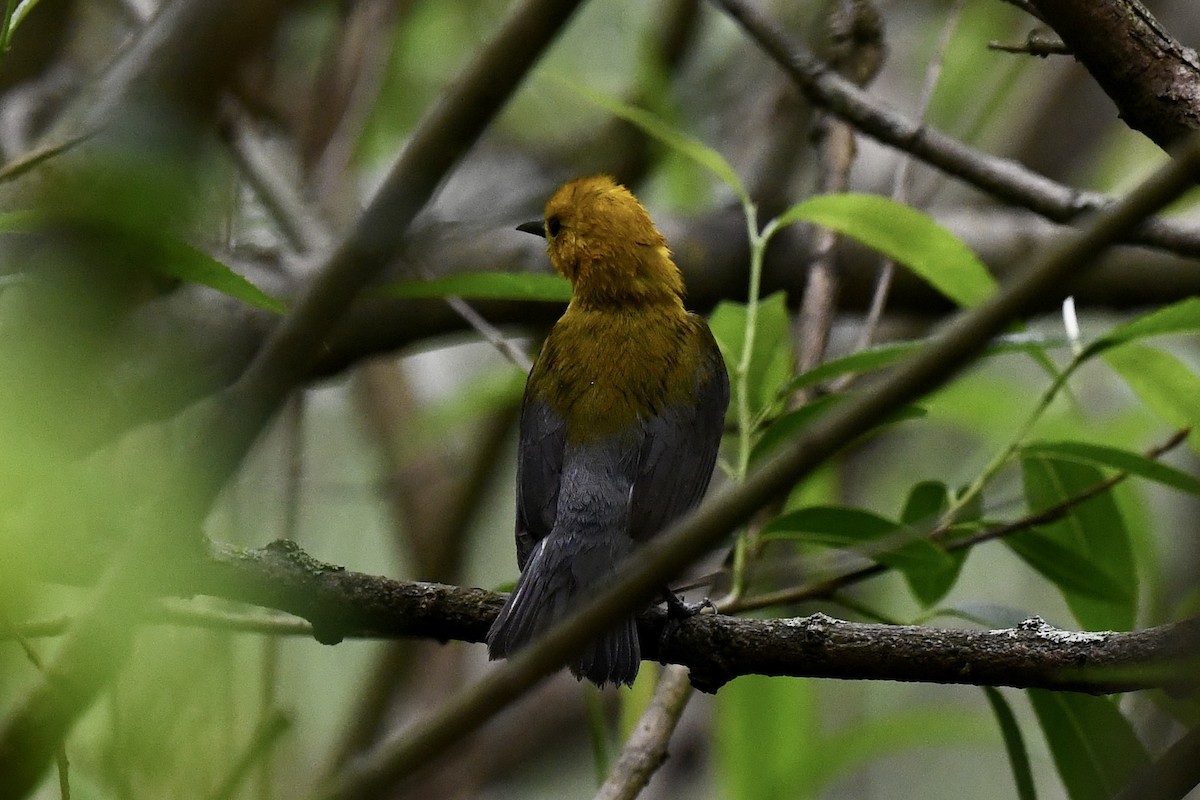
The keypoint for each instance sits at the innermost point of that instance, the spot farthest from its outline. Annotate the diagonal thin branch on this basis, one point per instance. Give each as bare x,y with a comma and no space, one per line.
900,182
1003,178
646,749
857,50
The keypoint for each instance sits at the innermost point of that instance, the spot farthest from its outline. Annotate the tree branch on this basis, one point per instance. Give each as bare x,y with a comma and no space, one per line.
855,33
341,603
1153,79
646,749
1004,179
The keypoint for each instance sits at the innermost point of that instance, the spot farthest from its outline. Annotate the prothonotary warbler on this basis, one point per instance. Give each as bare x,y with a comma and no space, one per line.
622,417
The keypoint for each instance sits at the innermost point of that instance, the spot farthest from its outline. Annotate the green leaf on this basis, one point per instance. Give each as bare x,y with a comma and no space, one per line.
1116,458
904,234
19,12
923,509
771,361
863,361
923,563
1087,554
1166,385
785,426
1181,317
1014,743
1072,572
169,256
660,129
838,522
925,504
885,355
181,260
532,286
1094,747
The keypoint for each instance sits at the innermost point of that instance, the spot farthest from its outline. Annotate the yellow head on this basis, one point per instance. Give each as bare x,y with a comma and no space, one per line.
601,239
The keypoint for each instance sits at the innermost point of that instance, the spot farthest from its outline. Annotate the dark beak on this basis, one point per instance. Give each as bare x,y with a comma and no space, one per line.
536,227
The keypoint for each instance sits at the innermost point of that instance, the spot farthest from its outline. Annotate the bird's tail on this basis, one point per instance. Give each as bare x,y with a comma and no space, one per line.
555,582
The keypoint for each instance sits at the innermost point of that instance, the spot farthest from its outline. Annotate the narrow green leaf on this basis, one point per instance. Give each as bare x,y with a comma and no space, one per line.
1014,744
854,524
1180,317
923,509
659,128
1116,458
885,355
181,260
785,426
19,13
172,257
533,286
863,361
1071,571
1166,385
1087,554
906,235
1094,747
771,361
882,540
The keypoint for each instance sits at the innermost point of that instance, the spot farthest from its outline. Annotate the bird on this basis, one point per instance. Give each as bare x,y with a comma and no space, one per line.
620,423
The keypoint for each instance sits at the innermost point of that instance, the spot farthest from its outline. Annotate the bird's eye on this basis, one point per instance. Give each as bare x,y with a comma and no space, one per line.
553,224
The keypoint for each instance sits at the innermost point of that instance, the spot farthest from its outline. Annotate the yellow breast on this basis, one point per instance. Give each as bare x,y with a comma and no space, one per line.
603,370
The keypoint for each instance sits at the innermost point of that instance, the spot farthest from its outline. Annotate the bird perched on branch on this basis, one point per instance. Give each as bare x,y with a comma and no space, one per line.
620,425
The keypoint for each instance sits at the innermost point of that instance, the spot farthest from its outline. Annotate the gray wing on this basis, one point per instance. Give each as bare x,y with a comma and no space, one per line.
679,450
539,467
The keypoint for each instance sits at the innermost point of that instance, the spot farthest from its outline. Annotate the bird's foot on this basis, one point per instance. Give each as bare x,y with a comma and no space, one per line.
679,611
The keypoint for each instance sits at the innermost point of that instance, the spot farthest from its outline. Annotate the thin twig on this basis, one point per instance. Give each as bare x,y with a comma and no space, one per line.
305,231
900,183
181,615
26,162
490,333
646,749
856,34
1035,44
941,535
